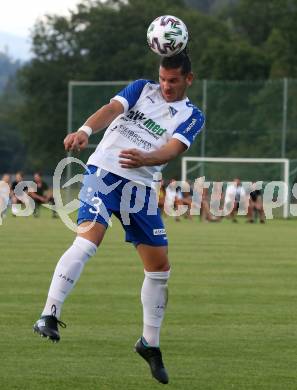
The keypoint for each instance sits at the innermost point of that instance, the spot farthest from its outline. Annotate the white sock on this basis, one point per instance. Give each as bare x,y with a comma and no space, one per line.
67,273
154,296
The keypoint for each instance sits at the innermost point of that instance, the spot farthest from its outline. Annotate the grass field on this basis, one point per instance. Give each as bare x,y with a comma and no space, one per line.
231,321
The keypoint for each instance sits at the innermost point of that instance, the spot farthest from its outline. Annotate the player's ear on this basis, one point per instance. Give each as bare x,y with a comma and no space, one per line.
189,79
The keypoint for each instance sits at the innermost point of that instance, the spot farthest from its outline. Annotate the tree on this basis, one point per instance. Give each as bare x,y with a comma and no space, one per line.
270,26
12,150
8,68
233,60
210,6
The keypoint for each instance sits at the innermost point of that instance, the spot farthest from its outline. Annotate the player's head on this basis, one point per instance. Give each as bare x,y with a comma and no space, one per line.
37,177
19,176
175,76
6,178
180,61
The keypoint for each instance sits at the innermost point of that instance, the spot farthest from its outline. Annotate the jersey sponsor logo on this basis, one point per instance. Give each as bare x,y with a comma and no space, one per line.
149,124
172,111
136,115
159,232
154,127
135,138
191,125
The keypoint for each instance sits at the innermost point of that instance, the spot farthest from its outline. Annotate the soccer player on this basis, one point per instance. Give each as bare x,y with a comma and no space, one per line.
173,197
4,195
234,194
148,124
255,206
19,177
39,196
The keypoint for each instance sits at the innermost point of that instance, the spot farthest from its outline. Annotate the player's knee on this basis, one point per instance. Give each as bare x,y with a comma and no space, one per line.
160,266
87,247
165,267
93,232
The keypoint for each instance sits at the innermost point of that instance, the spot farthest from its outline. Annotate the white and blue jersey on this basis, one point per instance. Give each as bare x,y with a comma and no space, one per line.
147,123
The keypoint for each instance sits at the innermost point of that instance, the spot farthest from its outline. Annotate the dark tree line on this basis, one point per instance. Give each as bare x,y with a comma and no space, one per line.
8,68
12,150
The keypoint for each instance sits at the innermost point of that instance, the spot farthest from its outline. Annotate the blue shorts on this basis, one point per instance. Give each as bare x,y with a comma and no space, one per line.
135,205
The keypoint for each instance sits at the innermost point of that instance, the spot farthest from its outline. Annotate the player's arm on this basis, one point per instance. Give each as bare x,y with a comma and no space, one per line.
35,196
95,123
135,158
182,138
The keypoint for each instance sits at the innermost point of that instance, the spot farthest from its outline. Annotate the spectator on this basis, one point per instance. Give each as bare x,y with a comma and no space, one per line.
187,201
162,196
51,201
173,197
234,194
4,195
19,177
39,196
205,214
255,208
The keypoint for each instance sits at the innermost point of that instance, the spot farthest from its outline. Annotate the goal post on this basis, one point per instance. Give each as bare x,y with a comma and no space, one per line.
200,161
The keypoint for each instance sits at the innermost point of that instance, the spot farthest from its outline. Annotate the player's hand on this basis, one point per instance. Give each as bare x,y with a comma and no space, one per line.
132,158
76,141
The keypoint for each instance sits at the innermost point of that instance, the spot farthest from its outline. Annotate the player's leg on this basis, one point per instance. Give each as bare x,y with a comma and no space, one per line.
93,217
66,275
178,202
260,208
4,200
234,211
145,229
148,235
154,290
71,264
36,211
250,213
154,296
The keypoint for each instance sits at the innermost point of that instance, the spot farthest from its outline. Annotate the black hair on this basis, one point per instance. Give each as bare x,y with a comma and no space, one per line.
181,60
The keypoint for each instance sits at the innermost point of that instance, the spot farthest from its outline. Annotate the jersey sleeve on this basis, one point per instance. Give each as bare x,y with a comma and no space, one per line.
187,131
130,94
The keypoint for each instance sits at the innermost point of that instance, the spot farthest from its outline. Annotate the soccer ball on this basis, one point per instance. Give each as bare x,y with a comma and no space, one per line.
167,36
